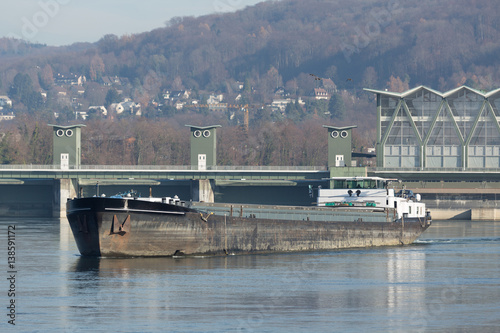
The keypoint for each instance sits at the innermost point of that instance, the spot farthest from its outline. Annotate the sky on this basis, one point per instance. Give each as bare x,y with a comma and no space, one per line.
64,22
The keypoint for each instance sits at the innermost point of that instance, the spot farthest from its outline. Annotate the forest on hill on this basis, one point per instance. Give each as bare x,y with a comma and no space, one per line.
289,44
436,43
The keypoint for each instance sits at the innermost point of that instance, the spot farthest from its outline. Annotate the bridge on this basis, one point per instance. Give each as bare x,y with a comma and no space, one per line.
67,177
289,184
159,172
42,187
199,185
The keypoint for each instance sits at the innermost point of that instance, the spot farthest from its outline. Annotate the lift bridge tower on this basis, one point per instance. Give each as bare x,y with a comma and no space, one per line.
67,146
203,157
67,155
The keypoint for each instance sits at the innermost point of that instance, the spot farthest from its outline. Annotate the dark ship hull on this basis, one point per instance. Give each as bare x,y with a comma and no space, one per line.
129,227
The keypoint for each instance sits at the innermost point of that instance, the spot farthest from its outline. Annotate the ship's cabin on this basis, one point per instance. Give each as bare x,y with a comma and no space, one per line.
371,192
359,182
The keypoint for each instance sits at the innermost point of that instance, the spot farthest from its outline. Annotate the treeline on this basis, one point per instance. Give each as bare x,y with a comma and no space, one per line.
163,142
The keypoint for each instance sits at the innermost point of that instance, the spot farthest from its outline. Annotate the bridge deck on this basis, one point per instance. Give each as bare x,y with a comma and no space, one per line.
255,173
162,172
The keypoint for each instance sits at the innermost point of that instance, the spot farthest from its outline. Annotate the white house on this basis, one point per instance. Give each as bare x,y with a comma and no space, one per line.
7,116
280,104
81,115
5,101
215,99
117,107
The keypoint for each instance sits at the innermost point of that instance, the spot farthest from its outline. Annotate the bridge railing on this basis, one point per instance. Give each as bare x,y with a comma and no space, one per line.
162,167
234,168
231,168
436,170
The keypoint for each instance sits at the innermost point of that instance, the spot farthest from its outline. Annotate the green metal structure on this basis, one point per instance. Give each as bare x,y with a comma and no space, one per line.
424,129
339,146
67,146
203,146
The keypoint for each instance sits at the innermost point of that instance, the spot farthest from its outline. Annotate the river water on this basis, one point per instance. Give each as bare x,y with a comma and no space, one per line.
448,281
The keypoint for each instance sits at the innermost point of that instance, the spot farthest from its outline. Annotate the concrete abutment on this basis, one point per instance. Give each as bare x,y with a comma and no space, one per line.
64,189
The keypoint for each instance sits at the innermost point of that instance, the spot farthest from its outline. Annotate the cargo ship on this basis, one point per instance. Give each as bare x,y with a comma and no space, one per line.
356,212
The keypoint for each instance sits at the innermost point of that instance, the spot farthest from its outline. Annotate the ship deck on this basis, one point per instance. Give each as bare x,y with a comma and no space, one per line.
294,213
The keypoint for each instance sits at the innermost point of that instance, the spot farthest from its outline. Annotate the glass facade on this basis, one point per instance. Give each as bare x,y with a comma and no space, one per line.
423,128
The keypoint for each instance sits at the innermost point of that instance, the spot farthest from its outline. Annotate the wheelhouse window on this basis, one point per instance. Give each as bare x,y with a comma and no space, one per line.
359,183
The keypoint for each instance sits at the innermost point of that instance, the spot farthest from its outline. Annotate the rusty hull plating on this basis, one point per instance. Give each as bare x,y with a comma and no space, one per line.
128,227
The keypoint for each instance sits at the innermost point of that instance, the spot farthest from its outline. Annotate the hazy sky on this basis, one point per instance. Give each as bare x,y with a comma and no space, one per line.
63,22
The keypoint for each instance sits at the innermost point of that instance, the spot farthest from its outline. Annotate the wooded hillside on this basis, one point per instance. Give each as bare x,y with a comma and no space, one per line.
437,43
357,44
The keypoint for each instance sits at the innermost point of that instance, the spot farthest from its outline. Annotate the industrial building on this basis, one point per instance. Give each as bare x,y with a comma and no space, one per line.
424,129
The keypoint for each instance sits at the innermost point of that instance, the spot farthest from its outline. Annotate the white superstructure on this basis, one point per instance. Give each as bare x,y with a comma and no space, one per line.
372,193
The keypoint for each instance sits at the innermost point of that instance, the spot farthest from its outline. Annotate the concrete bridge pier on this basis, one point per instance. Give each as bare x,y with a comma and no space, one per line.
63,190
203,190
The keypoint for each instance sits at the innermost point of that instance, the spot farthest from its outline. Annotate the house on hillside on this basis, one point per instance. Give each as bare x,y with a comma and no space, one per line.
116,81
217,107
60,91
320,93
179,105
69,80
329,86
5,102
81,115
116,107
77,90
174,95
280,92
99,110
132,107
81,80
126,107
7,116
106,81
215,99
280,104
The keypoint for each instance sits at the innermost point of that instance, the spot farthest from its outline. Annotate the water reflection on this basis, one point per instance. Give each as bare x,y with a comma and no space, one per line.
252,289
155,290
406,278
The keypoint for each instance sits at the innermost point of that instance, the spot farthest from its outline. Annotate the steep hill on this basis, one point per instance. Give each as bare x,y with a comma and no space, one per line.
427,42
437,43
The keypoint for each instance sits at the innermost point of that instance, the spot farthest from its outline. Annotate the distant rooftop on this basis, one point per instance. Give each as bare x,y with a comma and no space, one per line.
445,94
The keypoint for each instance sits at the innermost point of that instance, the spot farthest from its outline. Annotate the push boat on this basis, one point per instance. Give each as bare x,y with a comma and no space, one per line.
356,212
